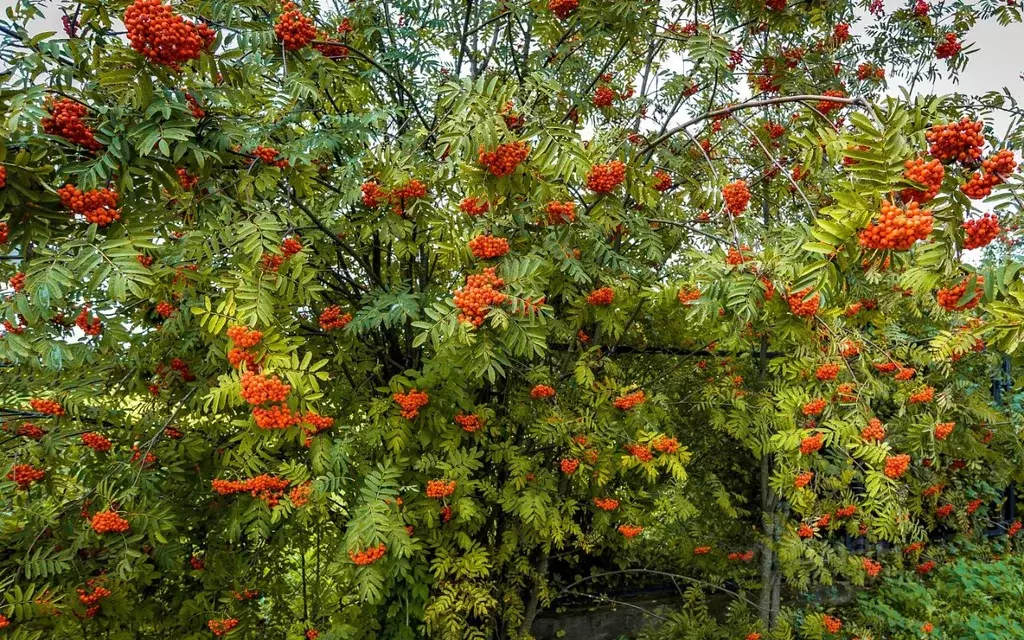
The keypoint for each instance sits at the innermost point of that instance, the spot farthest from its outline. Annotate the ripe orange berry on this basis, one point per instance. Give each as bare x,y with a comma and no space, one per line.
439,489
473,206
925,394
486,247
221,627
896,466
979,233
929,174
470,423
627,402
569,465
108,521
603,178
832,625
606,504
957,141
411,402
560,212
943,430
812,444
294,29
802,304
666,445
874,431
505,158
897,229
97,206
243,336
604,96
630,530
480,293
949,299
737,197
49,407
601,297
948,47
662,181
24,475
96,442
368,555
65,120
164,37
640,452
803,479
563,8
373,195
542,391
258,389
805,531
827,372
332,318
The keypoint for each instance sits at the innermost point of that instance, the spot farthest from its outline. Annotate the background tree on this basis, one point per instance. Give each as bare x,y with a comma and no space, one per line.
388,322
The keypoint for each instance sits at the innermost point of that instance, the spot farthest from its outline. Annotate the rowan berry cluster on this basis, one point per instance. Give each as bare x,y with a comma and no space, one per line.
89,324
606,504
629,401
921,8
96,442
221,627
832,625
604,96
925,394
275,417
373,195
505,158
775,5
294,29
979,233
17,281
949,299
828,106
560,212
930,174
943,430
24,475
4,232
440,489
662,180
482,291
812,444
542,391
957,141
874,432
186,179
897,229
162,36
802,304
630,530
737,197
868,71
244,337
144,260
330,48
1014,528
197,563
411,402
486,247
944,511
896,466
993,173
65,120
603,178
925,567
803,479
948,47
49,407
317,424
31,431
665,444
332,318
369,555
846,512
688,295
269,156
471,205
640,452
701,551
98,206
569,465
601,297
193,106
107,522
827,372
470,423
563,8
3,177
257,388
814,407
735,257
291,246
299,495
90,599
164,309
267,488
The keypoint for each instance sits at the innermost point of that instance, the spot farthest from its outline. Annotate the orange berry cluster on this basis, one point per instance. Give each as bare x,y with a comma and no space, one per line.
471,205
629,401
439,489
605,177
563,8
294,29
630,530
666,445
925,567
896,466
802,304
828,106
925,394
741,556
470,423
606,504
737,196
330,48
736,257
979,233
948,47
814,407
687,295
332,318
373,195
369,555
4,231
257,388
561,212
604,96
505,158
640,452
874,432
17,281
827,372
265,487
164,309
905,373
805,531
943,430
868,71
957,141
275,417
944,511
193,105
803,479
846,512
832,625
411,402
24,475
221,627
244,337
107,522
186,179
317,424
481,292
410,190
98,206
812,444
3,177
701,551
930,174
601,297
897,229
161,35
90,599
49,407
66,121
299,495
31,431
290,246
569,466
662,181
486,247
994,172
96,442
949,299
89,324
269,156
542,391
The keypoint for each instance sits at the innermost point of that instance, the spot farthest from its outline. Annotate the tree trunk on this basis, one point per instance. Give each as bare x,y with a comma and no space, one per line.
531,603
